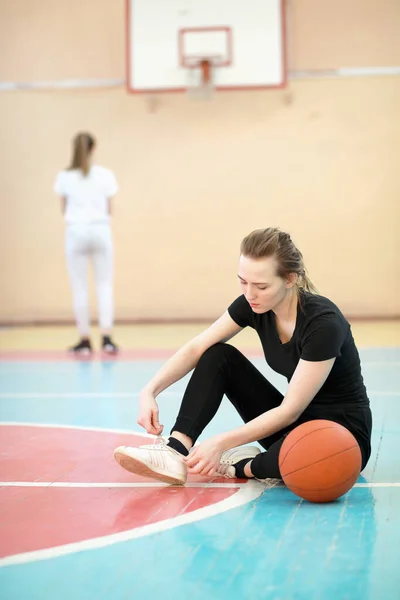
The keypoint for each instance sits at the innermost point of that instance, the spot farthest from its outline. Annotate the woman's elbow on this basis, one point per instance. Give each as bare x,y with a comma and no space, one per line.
290,417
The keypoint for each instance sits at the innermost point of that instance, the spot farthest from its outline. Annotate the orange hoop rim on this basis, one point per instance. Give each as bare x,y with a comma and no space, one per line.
195,62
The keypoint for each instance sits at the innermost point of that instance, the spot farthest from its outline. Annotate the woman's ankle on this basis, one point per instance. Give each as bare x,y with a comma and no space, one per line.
247,470
183,439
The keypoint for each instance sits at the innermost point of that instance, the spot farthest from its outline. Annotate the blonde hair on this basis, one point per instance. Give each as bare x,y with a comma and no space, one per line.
83,144
262,243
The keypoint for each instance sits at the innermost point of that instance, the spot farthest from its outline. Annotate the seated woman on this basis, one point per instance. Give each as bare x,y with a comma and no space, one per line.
304,336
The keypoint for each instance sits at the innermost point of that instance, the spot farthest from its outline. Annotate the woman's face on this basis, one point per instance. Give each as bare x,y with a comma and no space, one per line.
263,288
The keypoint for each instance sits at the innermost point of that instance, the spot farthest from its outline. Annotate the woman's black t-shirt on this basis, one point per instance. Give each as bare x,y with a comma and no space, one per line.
321,332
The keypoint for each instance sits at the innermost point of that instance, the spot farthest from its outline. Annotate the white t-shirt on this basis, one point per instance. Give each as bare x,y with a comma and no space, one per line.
87,196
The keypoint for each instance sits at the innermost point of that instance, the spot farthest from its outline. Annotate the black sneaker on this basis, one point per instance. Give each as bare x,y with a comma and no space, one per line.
84,347
108,345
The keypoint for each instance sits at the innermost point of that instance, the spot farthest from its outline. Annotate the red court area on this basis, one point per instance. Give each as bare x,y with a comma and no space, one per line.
38,516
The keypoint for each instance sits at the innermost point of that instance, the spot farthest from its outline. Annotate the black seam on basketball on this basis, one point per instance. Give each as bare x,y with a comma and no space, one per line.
320,460
296,487
305,435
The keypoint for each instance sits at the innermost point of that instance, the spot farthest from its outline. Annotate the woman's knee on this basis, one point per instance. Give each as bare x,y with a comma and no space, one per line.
219,351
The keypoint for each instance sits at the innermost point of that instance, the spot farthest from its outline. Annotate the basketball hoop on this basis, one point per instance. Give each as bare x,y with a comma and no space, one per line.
200,80
205,66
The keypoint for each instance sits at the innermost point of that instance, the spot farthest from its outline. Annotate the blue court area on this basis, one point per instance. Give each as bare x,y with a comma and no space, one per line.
274,546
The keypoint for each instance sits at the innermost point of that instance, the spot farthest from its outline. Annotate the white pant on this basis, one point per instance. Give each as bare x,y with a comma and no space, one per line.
84,242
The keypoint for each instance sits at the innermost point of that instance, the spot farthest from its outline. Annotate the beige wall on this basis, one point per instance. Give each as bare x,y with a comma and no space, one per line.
320,159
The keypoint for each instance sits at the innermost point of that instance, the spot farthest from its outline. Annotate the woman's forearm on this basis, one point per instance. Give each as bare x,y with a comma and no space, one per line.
263,426
179,365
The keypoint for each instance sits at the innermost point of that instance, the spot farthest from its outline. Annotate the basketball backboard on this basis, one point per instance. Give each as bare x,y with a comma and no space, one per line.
244,42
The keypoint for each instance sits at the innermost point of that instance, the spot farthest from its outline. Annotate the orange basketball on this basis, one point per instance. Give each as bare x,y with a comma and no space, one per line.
320,461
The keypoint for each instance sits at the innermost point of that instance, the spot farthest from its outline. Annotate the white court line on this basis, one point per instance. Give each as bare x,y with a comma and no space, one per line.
74,395
37,395
79,427
73,484
376,485
78,484
250,491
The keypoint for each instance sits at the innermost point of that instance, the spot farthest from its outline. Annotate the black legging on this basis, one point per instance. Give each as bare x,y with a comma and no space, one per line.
222,369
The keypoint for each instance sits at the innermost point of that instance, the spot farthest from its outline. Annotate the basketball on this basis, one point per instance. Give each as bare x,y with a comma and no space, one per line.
320,461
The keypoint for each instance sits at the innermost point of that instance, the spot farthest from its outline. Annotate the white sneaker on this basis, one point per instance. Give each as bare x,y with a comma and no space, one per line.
157,461
231,457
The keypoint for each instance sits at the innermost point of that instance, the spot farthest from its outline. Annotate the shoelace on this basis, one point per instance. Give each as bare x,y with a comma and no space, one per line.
223,470
158,444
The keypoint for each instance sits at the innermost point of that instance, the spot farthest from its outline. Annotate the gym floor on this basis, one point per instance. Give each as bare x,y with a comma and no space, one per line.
75,525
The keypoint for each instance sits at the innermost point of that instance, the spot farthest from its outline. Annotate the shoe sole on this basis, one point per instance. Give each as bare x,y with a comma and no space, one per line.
135,466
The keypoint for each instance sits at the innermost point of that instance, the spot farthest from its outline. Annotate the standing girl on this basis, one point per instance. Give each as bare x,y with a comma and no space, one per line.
86,190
